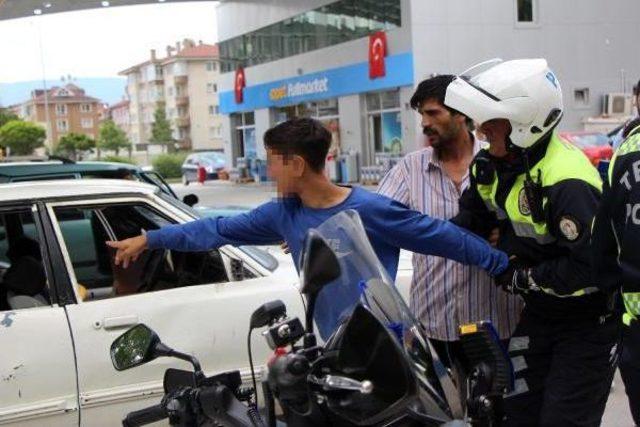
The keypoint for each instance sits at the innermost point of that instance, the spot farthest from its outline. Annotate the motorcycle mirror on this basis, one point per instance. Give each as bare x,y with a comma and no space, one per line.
319,264
135,347
320,267
190,199
267,313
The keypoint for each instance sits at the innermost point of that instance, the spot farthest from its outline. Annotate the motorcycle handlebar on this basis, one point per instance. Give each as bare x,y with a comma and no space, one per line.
145,416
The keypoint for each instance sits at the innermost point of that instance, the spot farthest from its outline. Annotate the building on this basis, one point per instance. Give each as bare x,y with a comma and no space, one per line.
185,82
119,113
70,110
312,57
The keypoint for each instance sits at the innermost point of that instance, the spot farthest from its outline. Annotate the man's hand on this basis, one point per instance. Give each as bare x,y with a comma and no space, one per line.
515,279
128,249
494,237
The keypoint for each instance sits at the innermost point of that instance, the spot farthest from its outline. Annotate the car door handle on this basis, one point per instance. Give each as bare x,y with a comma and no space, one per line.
120,321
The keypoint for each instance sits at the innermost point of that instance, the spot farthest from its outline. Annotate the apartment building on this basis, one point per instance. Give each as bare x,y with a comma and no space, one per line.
70,110
119,113
185,81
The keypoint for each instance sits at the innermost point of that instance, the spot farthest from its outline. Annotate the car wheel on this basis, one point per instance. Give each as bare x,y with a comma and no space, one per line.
185,181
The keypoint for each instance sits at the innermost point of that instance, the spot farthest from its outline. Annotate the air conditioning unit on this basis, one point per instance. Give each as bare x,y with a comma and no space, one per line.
617,104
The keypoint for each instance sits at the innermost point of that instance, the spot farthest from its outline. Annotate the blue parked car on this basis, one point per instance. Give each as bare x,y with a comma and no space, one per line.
213,162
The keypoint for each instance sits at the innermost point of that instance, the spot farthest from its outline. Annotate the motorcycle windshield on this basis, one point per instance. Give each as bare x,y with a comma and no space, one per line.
363,280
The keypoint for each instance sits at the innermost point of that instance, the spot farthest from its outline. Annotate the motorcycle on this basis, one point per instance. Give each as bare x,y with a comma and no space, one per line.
374,367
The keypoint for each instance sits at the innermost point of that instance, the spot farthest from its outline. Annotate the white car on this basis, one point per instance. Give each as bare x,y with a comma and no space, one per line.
63,301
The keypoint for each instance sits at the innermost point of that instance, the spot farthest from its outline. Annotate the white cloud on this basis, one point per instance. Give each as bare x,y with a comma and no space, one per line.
99,42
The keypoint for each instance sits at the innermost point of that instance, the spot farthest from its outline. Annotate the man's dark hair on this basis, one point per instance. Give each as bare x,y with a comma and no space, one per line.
433,88
636,89
305,137
630,126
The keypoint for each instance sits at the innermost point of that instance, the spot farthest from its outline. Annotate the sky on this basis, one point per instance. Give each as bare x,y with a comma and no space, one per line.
98,42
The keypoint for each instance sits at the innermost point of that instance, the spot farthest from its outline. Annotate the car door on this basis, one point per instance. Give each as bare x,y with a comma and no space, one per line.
190,169
37,369
209,320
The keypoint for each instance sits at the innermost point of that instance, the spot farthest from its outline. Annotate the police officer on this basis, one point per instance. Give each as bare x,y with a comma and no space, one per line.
542,193
616,250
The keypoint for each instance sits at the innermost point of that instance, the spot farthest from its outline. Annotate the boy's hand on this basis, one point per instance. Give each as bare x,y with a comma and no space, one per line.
285,247
128,249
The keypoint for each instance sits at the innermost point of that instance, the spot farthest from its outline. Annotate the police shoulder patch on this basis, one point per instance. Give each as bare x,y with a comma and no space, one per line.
523,203
570,227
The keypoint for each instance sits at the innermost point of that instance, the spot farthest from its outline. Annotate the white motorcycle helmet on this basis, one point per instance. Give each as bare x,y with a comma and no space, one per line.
524,91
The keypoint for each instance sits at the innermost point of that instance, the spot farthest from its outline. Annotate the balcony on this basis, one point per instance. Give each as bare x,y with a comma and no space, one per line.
183,122
184,143
180,80
182,101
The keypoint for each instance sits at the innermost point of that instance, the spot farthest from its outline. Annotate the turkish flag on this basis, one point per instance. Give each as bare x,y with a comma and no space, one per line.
377,52
239,84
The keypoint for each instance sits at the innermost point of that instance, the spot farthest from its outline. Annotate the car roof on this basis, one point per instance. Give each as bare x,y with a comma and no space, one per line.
23,169
53,189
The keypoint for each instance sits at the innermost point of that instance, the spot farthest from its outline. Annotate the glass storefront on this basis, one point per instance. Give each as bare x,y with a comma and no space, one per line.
244,126
325,111
325,26
384,124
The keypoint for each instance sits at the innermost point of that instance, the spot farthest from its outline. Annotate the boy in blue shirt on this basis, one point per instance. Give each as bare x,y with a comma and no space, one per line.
296,153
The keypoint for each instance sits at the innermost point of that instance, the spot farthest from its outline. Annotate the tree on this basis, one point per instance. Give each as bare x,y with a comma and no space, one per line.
161,129
7,115
112,138
21,138
74,144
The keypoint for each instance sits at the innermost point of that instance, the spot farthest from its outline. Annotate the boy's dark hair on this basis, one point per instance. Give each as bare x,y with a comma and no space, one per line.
305,137
433,88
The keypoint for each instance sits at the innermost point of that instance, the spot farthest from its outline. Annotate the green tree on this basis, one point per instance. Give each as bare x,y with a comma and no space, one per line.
21,138
161,128
75,144
112,138
6,115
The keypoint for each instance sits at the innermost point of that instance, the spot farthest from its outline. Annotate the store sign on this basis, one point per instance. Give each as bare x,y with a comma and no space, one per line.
240,83
292,90
331,83
377,52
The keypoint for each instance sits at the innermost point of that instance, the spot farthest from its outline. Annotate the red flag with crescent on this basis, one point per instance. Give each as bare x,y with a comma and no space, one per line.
377,52
239,84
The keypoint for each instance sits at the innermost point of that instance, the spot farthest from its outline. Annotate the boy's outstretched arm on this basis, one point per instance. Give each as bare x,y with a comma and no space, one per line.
256,227
423,234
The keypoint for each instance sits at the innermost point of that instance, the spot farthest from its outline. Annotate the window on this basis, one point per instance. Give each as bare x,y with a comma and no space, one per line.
244,137
329,25
84,231
526,11
213,110
85,108
384,124
63,92
62,125
170,90
87,123
61,109
581,97
212,88
210,66
24,279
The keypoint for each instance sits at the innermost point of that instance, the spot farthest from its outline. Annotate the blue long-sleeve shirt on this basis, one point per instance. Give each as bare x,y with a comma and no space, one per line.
389,225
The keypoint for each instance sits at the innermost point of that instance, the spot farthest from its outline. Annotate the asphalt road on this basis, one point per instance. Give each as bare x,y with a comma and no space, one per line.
224,194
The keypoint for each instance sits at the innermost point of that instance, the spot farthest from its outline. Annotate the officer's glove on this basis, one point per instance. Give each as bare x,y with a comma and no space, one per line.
516,279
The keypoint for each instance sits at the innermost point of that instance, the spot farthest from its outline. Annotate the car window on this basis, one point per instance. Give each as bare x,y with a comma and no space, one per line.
24,283
42,177
97,276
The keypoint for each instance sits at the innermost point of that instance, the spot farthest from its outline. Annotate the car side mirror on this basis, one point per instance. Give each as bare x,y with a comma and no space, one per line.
135,347
319,267
190,199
